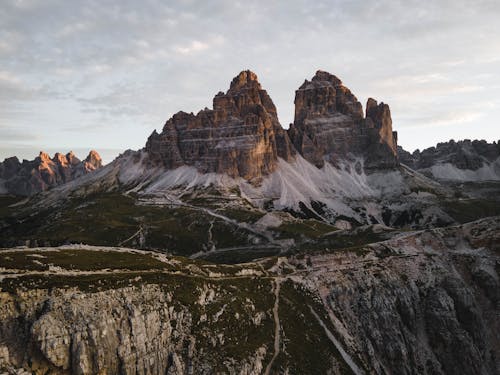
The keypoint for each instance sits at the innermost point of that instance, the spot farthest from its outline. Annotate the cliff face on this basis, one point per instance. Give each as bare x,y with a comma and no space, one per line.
329,125
125,331
42,173
241,136
423,303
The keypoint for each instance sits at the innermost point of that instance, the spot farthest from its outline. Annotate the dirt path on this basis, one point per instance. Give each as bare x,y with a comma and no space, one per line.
346,357
132,236
277,326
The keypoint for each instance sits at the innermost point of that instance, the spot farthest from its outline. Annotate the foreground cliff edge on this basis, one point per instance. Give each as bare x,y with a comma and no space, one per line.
231,245
424,302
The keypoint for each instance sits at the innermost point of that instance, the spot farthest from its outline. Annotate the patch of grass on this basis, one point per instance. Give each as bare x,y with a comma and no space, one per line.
343,241
6,201
310,228
83,260
464,211
241,215
109,219
307,348
242,255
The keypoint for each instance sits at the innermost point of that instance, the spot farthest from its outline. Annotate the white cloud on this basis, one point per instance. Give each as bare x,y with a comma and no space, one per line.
194,46
433,62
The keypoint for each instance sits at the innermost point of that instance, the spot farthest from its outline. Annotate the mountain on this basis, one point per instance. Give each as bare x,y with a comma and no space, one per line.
457,161
329,125
241,136
231,245
42,173
333,164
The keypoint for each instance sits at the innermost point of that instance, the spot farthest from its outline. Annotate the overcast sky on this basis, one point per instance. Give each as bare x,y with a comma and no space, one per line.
76,75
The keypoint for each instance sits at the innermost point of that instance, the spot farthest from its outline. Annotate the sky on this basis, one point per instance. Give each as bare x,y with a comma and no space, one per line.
80,75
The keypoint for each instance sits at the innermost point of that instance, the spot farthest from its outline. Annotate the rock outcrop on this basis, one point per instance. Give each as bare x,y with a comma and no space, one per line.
241,136
463,160
424,303
42,173
329,125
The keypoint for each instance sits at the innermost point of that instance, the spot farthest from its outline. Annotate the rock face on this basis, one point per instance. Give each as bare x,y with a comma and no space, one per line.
464,154
329,125
42,173
124,331
241,136
427,303
462,160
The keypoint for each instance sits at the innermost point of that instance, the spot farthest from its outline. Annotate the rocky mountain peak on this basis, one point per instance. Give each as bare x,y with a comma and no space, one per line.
94,159
378,116
44,156
241,136
321,77
245,95
72,159
329,125
246,78
60,159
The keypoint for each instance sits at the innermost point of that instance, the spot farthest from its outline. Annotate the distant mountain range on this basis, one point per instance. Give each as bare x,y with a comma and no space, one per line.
33,176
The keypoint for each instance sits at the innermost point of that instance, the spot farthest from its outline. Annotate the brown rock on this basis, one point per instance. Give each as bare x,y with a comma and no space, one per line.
241,136
329,125
382,141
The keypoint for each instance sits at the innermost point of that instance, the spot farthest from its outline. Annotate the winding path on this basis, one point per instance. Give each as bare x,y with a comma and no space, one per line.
277,326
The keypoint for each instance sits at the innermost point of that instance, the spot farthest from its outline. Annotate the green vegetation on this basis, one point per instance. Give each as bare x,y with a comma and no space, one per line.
310,228
343,241
110,219
83,260
5,202
468,210
234,256
241,214
306,347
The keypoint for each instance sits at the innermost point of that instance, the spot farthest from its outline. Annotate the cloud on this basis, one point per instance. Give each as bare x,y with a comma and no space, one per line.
194,46
123,64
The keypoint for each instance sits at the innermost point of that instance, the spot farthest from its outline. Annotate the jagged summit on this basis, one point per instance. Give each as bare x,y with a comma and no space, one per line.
242,137
464,160
244,79
44,172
